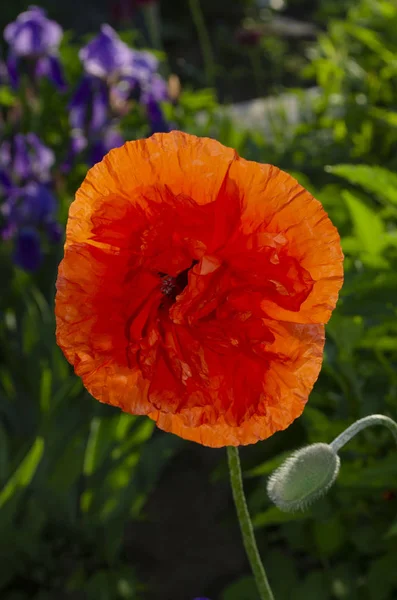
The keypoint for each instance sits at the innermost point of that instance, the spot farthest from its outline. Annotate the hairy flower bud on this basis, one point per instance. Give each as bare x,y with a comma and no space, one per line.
305,476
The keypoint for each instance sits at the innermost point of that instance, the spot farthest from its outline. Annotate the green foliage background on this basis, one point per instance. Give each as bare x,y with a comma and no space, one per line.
76,475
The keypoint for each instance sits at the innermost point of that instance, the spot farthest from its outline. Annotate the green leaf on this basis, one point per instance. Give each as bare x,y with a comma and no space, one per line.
274,516
100,586
110,454
242,589
393,530
388,116
374,179
368,228
344,581
45,389
23,475
283,577
267,467
346,332
196,100
379,475
4,458
91,458
319,427
314,586
329,536
7,98
382,578
372,40
371,294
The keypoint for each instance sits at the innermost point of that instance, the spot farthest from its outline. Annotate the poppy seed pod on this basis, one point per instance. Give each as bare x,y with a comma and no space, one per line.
304,477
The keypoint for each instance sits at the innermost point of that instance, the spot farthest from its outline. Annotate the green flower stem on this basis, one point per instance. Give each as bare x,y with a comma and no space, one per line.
265,592
151,13
351,431
204,40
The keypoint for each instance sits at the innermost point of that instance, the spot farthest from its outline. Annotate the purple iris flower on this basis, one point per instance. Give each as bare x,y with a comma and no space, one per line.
110,138
145,65
106,56
26,212
27,251
78,143
106,61
89,119
42,158
21,161
5,181
35,37
5,154
26,157
28,208
53,231
109,68
33,204
114,73
80,103
153,93
155,89
89,106
157,120
51,68
99,145
32,34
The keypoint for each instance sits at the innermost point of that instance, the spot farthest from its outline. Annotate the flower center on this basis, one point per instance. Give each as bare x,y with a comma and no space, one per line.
173,286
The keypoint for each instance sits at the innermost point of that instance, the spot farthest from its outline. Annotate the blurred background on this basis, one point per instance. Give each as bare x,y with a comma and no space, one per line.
100,505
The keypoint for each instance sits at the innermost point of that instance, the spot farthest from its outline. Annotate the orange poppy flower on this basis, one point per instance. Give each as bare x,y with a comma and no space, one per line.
194,288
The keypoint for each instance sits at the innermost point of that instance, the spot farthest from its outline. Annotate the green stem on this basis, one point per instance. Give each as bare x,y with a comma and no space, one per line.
204,40
351,431
247,531
151,13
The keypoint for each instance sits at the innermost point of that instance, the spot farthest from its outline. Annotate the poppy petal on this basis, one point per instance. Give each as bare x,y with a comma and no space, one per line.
176,160
274,201
195,287
252,397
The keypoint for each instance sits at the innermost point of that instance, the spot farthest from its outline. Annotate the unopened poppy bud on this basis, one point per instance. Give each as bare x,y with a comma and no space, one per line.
305,476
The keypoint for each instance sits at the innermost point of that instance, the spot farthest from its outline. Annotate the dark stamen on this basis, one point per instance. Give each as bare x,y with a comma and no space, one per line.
173,286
